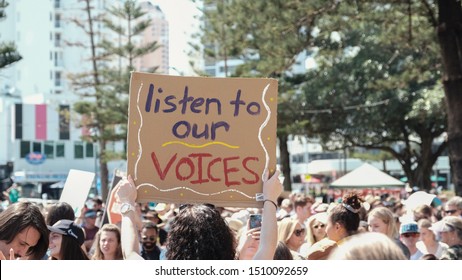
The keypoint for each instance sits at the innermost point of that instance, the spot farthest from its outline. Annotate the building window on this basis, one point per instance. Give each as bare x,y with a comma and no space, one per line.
57,4
37,147
57,21
49,149
25,148
60,150
89,151
57,40
298,158
78,150
58,59
57,79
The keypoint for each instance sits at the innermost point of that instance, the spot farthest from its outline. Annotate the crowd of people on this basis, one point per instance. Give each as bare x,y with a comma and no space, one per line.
297,227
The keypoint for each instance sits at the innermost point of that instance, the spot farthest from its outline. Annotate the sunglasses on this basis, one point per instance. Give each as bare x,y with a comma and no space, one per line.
299,232
450,211
150,238
319,226
410,234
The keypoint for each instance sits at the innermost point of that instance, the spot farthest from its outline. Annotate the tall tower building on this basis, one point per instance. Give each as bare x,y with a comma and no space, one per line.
39,131
158,31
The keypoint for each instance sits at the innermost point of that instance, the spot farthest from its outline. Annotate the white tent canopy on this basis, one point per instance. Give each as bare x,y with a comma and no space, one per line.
328,166
367,176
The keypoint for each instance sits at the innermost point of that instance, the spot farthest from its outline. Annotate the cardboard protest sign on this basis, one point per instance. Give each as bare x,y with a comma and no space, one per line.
197,140
76,189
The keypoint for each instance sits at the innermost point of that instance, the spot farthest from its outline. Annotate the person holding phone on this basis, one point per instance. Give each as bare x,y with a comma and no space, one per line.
201,221
254,221
250,238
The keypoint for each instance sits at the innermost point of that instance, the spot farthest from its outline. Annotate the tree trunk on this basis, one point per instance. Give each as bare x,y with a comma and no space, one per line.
450,40
103,170
423,174
426,161
104,173
285,161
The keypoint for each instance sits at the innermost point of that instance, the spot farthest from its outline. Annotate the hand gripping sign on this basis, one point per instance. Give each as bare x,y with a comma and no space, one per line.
197,140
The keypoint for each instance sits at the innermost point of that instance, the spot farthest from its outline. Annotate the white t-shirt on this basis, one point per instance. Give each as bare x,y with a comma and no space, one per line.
442,247
417,255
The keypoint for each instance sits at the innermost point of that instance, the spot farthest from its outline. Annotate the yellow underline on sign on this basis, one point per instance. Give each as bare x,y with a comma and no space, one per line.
200,146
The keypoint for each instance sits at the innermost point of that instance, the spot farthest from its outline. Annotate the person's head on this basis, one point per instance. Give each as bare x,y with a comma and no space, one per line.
98,203
153,216
66,239
423,212
428,257
23,229
368,246
302,207
282,252
198,232
286,204
149,234
90,219
363,227
59,211
453,207
451,230
409,232
107,243
316,228
235,225
343,219
381,220
426,234
292,233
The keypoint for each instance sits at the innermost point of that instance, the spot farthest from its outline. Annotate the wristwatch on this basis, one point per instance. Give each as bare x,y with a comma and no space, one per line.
126,207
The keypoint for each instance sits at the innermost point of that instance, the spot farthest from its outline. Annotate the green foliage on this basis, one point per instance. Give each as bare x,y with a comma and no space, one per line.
8,53
376,84
133,23
108,85
381,86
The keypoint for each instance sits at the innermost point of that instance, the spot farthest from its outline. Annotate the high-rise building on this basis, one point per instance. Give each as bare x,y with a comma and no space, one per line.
158,31
39,131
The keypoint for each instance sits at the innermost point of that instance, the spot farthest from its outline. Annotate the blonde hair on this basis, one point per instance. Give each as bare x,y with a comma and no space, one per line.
387,217
368,246
286,228
320,217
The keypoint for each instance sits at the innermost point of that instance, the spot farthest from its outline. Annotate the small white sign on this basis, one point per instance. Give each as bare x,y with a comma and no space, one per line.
76,188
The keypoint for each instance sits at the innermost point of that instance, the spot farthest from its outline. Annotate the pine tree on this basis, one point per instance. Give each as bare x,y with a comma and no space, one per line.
105,87
8,53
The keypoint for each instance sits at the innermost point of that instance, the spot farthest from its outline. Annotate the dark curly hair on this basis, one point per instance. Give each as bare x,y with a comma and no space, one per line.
198,232
347,212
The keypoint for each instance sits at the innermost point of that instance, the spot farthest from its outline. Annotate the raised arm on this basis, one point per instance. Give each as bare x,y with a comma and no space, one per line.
126,196
272,188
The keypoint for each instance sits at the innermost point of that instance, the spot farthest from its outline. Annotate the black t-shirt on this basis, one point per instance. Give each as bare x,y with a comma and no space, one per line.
151,255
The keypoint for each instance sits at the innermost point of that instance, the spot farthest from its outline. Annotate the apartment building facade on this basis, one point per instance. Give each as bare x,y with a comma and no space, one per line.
40,134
